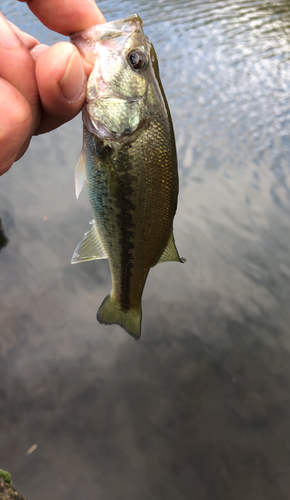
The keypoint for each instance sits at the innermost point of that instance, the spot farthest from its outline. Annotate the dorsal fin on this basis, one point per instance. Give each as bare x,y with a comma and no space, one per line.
170,253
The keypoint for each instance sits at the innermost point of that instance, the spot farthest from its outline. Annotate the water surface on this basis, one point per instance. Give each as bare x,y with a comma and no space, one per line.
200,406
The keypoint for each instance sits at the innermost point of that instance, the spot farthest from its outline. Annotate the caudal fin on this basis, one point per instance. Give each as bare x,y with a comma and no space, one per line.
112,312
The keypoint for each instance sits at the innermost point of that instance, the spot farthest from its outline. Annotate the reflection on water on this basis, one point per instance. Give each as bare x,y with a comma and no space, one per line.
201,403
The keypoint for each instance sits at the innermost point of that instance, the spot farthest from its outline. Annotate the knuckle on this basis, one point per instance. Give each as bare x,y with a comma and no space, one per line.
15,128
20,116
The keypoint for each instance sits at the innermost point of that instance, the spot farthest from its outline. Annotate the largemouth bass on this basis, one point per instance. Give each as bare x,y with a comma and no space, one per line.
129,164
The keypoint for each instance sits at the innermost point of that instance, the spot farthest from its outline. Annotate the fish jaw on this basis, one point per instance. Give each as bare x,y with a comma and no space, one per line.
88,41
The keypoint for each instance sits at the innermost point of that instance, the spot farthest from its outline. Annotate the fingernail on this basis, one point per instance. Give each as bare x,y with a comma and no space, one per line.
37,50
8,39
72,83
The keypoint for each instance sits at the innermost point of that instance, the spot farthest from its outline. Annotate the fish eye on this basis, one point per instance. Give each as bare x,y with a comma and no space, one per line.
137,59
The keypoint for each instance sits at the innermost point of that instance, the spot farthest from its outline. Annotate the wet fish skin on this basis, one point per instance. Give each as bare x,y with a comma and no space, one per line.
129,163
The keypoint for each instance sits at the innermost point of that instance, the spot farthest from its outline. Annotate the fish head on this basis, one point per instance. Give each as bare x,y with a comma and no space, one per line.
122,57
124,86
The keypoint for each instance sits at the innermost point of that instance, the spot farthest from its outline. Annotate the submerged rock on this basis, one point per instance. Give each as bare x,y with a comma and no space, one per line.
7,492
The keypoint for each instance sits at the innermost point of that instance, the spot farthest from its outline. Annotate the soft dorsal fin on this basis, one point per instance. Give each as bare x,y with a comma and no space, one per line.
90,248
170,253
80,174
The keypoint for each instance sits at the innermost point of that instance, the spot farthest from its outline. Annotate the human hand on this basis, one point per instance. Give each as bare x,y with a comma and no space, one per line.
41,87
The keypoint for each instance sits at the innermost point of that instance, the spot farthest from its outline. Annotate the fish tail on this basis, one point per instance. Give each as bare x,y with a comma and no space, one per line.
113,312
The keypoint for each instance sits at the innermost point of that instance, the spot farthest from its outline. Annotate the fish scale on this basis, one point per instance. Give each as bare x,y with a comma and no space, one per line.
129,164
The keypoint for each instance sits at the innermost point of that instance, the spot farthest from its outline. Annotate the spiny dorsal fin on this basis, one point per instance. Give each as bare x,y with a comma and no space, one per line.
80,174
90,248
170,253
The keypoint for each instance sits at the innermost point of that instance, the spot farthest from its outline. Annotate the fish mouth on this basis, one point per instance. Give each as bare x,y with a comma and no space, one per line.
113,29
87,41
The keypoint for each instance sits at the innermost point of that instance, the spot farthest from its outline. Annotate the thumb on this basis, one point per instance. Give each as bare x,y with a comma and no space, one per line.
61,84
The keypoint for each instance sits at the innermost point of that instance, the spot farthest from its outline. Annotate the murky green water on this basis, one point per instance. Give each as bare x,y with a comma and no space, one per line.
199,408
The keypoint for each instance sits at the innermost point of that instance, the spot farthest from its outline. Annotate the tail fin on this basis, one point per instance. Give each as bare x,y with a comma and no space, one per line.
112,312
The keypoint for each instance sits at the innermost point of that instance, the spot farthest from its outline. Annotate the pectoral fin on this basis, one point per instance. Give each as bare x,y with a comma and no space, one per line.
90,248
80,174
170,253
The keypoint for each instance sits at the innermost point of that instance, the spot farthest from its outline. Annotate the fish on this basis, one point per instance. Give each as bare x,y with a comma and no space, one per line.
128,163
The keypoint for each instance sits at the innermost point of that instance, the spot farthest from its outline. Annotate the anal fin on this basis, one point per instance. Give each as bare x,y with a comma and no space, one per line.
90,248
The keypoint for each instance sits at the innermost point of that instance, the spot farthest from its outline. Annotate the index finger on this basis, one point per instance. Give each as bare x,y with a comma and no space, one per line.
66,16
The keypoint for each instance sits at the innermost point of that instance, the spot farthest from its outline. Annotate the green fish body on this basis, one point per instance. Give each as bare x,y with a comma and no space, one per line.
129,164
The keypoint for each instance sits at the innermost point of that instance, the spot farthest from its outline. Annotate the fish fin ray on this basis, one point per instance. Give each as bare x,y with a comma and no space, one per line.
170,253
90,248
112,312
80,174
